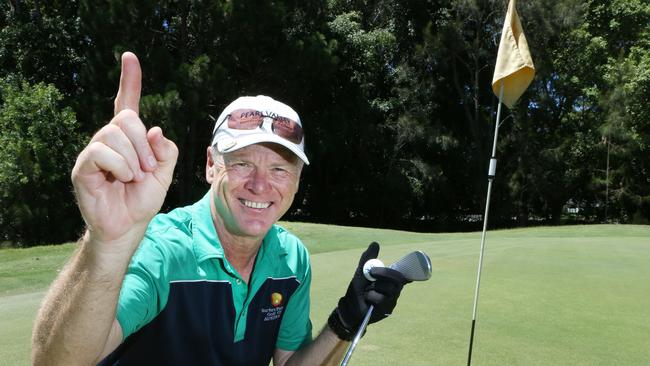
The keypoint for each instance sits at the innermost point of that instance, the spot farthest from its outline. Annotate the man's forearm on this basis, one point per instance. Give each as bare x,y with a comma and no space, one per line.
326,349
77,314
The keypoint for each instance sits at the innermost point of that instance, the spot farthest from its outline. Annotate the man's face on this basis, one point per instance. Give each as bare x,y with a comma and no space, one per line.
253,187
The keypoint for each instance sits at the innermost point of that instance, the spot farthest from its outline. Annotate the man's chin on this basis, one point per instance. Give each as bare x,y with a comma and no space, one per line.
255,228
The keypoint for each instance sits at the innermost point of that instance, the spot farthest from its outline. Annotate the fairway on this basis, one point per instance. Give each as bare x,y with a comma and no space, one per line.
574,295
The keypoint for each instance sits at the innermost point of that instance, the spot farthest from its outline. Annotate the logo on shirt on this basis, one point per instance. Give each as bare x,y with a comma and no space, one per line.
276,309
276,299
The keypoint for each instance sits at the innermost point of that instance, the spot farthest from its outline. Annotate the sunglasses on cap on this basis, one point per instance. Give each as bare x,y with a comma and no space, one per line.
250,119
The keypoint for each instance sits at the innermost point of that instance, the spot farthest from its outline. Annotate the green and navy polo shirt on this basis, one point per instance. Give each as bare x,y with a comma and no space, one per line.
182,303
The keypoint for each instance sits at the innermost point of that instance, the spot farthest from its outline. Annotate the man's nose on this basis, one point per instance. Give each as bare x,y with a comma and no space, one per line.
259,181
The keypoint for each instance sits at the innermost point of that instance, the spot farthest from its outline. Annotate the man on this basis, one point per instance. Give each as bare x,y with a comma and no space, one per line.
215,283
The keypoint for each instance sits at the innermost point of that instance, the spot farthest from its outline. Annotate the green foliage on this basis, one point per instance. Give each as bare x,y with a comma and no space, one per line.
395,98
621,29
41,41
626,132
38,146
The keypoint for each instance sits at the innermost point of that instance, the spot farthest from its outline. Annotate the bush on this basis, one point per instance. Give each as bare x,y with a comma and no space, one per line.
39,141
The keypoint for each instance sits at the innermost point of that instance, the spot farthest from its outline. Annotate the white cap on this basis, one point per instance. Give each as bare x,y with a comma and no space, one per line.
227,139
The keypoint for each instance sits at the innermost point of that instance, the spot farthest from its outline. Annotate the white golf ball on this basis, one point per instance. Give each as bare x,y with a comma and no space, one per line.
371,264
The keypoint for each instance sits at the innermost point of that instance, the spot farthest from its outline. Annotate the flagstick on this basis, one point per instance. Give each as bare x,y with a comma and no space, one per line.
491,175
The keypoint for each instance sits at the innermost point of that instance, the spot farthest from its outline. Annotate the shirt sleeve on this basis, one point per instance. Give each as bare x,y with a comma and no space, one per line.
144,290
296,327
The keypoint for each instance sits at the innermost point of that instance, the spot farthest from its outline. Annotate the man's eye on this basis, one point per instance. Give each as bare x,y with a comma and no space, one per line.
240,166
281,172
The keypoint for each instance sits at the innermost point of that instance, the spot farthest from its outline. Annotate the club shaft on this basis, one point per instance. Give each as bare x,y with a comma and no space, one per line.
357,336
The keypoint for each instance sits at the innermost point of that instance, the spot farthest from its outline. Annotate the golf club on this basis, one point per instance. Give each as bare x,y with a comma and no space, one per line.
415,266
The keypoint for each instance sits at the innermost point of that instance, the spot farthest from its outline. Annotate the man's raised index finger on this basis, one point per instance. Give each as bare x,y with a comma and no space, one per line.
128,95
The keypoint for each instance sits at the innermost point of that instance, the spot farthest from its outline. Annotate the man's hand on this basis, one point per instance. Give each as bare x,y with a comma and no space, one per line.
361,293
121,178
120,181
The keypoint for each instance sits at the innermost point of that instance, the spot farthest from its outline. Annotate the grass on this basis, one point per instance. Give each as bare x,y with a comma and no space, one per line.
31,269
24,276
575,295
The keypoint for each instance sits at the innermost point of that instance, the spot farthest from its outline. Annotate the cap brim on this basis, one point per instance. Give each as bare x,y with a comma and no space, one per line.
247,140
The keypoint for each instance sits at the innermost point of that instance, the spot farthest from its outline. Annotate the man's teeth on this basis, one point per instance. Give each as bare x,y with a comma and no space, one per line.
252,204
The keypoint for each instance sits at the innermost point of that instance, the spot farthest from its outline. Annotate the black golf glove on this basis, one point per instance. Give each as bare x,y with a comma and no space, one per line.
361,293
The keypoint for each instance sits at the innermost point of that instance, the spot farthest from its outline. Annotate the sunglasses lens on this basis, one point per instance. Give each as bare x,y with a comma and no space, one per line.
245,119
288,129
249,119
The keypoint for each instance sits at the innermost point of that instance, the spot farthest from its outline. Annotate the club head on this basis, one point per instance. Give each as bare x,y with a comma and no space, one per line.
415,266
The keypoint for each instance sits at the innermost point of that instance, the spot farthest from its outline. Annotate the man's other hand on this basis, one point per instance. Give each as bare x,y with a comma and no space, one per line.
361,293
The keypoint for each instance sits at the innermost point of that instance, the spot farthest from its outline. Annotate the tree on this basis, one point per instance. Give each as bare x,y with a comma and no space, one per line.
41,41
39,141
196,58
626,131
553,140
395,97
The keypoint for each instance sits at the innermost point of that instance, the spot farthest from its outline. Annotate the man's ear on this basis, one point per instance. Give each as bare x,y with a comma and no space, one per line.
209,166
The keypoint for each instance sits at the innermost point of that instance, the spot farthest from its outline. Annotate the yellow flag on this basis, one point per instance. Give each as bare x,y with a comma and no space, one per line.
514,65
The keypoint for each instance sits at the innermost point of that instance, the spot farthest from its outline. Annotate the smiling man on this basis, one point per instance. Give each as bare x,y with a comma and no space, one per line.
214,283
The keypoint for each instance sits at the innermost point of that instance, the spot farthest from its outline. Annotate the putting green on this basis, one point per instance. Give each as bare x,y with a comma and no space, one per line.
574,295
16,325
546,299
